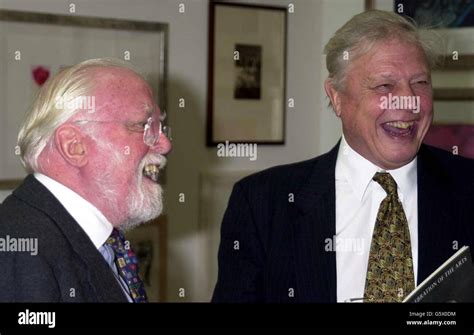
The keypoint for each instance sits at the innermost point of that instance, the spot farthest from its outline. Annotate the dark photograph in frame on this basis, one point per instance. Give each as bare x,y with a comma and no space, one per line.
248,71
247,74
439,13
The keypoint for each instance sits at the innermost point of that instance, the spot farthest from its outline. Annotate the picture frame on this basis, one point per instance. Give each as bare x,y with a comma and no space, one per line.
38,45
457,36
149,242
455,72
247,74
447,14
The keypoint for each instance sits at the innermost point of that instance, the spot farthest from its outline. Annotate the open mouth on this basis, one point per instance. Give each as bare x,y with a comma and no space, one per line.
399,128
151,171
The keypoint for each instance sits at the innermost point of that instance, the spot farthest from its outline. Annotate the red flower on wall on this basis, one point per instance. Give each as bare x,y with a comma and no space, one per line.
40,75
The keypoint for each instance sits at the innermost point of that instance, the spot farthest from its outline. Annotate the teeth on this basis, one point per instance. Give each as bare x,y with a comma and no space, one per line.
151,171
401,124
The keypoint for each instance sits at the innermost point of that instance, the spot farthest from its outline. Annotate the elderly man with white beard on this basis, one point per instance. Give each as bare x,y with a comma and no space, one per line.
93,144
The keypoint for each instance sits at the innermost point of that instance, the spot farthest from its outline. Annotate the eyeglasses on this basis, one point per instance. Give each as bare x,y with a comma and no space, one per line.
152,128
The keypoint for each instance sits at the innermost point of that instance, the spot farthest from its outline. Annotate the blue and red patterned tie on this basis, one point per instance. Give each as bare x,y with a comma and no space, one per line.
127,265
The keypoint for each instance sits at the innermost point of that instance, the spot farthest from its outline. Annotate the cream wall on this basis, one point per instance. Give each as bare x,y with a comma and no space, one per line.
311,128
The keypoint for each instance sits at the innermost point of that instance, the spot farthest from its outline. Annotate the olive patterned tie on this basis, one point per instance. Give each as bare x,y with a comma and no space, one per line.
390,269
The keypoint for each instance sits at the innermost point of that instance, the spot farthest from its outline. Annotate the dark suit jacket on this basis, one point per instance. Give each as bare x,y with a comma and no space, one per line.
270,245
67,268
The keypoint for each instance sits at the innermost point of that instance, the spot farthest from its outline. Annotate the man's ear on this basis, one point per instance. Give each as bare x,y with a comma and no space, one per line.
70,144
334,95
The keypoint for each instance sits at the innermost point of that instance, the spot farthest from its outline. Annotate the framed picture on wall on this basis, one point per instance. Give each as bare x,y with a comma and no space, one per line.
247,73
452,20
430,13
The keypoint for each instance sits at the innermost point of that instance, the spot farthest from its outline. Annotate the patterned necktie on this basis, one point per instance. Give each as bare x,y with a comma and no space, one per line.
390,270
127,265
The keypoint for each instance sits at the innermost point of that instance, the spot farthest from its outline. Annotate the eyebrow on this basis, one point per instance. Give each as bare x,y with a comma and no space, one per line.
421,74
380,76
387,76
149,110
390,76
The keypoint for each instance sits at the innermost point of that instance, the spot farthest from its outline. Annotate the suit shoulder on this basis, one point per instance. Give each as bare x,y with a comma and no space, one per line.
21,219
455,170
454,164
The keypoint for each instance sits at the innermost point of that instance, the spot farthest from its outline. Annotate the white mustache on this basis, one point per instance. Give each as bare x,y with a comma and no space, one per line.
153,158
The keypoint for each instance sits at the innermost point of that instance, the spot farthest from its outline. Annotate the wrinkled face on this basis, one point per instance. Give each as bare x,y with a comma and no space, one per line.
120,160
386,107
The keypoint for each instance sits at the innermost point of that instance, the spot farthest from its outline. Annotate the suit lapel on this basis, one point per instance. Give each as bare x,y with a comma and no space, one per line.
99,275
316,222
435,204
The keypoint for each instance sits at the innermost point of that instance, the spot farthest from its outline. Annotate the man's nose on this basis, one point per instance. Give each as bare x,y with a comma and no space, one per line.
405,90
163,145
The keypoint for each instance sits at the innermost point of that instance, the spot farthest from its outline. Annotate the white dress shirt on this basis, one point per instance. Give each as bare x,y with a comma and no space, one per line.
358,198
90,219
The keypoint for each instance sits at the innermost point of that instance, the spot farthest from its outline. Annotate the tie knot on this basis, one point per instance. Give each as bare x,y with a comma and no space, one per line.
116,240
387,182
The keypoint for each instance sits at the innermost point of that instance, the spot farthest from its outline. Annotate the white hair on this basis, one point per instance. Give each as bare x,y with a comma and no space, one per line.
360,33
45,116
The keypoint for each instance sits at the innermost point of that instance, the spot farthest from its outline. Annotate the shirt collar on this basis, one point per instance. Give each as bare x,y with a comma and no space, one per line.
91,220
358,171
406,178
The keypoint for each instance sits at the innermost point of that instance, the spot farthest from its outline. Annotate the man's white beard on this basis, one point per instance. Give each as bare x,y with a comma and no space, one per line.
144,201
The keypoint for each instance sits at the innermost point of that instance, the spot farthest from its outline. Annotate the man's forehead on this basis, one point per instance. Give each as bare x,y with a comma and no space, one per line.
120,109
118,81
119,92
390,48
379,65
